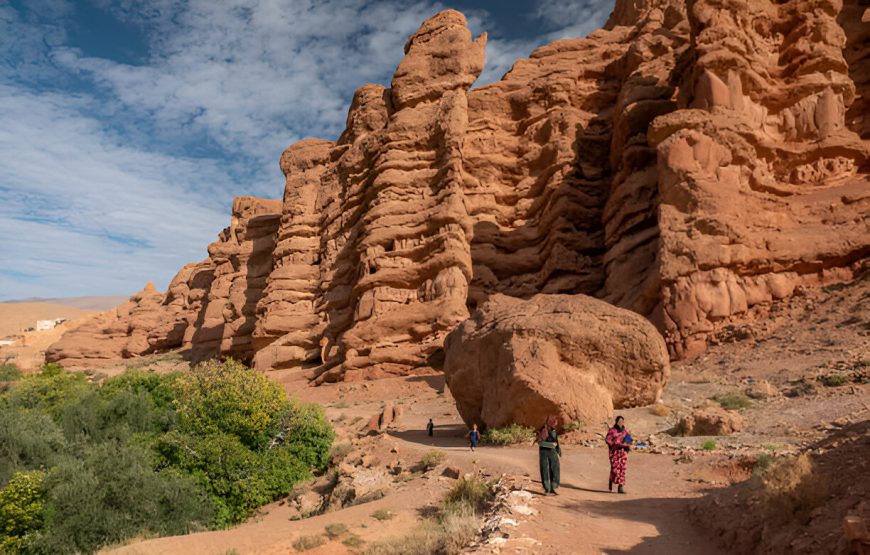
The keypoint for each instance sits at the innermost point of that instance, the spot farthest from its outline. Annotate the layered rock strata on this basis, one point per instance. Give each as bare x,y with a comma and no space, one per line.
686,162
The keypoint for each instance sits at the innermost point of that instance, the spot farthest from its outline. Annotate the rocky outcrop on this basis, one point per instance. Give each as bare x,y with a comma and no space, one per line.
688,161
709,422
208,307
571,356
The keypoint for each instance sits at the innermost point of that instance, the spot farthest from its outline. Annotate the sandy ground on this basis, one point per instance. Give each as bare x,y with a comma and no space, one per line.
792,345
28,351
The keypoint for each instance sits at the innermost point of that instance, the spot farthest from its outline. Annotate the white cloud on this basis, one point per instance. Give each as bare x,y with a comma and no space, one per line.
99,189
82,213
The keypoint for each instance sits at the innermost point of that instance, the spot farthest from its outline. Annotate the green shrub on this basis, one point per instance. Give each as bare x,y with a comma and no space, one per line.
48,392
9,372
237,479
432,459
835,380
708,445
509,435
733,401
304,543
307,434
762,463
335,530
28,441
353,541
382,514
146,454
470,493
22,508
575,425
113,493
230,398
339,451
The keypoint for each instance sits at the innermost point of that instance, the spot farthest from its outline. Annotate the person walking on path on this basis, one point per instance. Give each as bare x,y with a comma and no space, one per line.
618,443
549,452
430,428
473,436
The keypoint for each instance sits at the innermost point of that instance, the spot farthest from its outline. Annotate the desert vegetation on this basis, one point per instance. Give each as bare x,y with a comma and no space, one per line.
84,464
454,526
509,435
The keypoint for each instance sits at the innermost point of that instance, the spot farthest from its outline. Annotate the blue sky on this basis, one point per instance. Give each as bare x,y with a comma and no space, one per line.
127,126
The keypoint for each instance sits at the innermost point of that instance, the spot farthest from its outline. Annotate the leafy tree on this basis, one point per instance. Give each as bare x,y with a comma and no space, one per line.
232,399
238,479
22,507
113,493
28,440
307,433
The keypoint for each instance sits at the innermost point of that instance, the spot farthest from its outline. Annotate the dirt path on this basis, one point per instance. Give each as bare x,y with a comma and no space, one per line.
585,518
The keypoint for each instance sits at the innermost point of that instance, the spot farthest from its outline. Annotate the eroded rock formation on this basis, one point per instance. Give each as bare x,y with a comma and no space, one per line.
519,361
686,162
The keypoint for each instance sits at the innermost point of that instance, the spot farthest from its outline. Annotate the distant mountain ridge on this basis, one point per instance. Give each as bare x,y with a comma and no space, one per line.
91,303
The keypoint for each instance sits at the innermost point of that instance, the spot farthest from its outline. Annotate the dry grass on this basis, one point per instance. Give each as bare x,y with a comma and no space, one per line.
448,536
789,487
432,459
661,409
335,530
382,514
304,543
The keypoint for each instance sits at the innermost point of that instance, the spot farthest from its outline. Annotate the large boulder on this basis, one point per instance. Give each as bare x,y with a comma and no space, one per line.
570,355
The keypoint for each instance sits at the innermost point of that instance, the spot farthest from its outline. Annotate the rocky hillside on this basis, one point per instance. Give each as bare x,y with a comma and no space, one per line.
690,160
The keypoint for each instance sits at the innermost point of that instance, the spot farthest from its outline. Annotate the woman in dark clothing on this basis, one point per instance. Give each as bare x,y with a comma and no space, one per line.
549,452
430,428
618,442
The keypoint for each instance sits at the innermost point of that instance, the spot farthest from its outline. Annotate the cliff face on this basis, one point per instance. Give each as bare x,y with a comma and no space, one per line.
688,161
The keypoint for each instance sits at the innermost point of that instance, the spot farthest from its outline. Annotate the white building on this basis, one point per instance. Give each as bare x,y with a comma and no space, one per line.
42,325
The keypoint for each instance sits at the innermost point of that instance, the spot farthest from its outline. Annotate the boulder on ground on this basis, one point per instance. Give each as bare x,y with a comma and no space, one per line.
710,422
518,361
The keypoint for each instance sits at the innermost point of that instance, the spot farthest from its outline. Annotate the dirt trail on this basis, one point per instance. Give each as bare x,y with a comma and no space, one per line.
585,518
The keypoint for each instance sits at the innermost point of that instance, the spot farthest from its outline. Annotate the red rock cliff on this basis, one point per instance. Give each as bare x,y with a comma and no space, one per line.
688,161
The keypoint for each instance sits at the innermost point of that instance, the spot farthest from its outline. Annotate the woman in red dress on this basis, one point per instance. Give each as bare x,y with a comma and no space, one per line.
618,446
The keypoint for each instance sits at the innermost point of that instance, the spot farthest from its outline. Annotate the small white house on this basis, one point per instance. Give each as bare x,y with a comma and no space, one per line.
42,325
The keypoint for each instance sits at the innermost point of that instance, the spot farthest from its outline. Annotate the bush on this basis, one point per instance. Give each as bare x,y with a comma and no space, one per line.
9,372
28,441
835,380
304,543
307,434
432,459
470,493
661,409
335,530
22,508
353,541
762,463
733,401
708,445
113,493
790,488
120,462
48,392
575,425
237,479
509,435
230,398
382,514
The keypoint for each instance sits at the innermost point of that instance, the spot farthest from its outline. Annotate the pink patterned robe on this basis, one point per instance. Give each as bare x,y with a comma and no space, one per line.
618,455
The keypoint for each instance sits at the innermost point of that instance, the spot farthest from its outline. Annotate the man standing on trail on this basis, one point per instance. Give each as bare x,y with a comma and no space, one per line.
430,428
549,452
618,442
